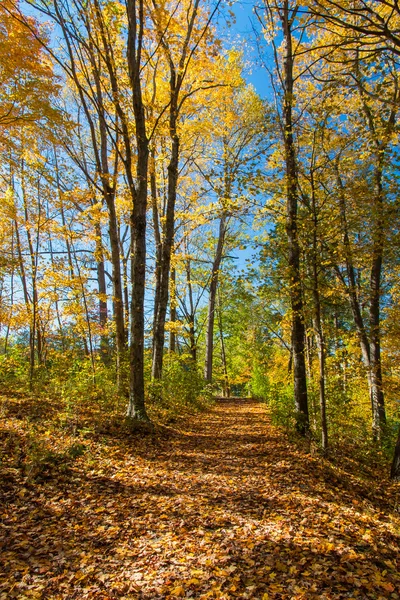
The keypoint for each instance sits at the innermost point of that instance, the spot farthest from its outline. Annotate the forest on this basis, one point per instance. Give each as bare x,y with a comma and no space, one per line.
199,299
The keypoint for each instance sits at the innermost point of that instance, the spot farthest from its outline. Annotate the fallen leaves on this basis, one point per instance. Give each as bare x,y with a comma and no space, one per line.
209,512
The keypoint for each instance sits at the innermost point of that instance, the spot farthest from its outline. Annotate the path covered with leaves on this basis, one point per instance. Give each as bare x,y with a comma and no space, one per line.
223,506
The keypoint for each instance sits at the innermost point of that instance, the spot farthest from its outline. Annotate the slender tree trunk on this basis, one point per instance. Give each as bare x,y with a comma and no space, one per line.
395,470
118,298
101,279
35,338
208,366
298,329
318,319
377,397
90,348
372,363
191,316
227,390
321,352
172,311
24,282
11,294
158,244
166,249
60,327
177,73
136,407
125,262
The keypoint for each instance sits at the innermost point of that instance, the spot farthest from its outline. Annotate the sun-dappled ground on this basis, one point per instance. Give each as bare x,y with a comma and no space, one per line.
222,505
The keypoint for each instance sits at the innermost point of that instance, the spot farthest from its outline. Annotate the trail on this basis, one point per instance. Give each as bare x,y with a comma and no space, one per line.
221,507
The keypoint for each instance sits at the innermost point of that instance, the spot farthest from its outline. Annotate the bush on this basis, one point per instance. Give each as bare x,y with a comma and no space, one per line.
14,367
280,399
182,388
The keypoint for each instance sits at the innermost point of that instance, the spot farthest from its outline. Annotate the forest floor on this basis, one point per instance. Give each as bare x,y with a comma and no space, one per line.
221,505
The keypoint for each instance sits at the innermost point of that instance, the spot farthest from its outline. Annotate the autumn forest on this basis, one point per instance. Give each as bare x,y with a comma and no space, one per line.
199,299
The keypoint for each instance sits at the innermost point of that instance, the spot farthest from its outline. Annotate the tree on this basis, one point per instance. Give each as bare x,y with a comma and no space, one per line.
180,52
239,146
27,81
286,13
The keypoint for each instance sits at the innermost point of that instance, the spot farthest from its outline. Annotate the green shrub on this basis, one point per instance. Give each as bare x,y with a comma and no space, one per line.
280,399
182,388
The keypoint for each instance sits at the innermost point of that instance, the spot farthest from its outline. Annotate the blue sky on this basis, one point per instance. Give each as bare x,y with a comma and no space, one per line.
247,28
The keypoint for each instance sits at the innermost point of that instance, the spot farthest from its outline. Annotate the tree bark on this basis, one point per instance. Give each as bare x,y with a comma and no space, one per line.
157,242
136,409
172,311
166,248
318,321
177,73
227,388
298,329
191,315
101,279
372,345
208,366
395,470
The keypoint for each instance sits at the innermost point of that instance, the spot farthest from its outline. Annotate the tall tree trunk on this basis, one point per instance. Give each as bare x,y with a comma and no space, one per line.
136,407
227,389
395,470
125,268
298,329
208,366
166,248
191,316
90,348
381,140
158,244
101,279
172,311
318,322
377,397
35,334
118,298
373,364
177,72
6,337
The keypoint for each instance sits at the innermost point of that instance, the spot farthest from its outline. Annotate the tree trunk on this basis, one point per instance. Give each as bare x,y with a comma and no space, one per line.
227,389
166,250
318,320
191,316
378,239
377,397
395,470
208,366
101,279
177,73
172,311
118,299
136,407
372,363
298,329
158,245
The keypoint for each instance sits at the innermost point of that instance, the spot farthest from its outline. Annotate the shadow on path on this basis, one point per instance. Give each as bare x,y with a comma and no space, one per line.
225,508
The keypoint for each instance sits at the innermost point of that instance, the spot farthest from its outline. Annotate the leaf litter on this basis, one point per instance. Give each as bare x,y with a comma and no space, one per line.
223,506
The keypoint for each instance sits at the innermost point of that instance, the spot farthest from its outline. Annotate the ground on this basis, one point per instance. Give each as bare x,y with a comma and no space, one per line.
222,505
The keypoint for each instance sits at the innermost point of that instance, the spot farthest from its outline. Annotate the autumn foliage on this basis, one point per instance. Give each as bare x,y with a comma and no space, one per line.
173,237
221,506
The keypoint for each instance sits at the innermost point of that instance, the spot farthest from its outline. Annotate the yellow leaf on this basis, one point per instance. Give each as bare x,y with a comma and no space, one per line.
179,592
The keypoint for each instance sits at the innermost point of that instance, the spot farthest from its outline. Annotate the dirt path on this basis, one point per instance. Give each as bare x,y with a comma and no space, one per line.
227,508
